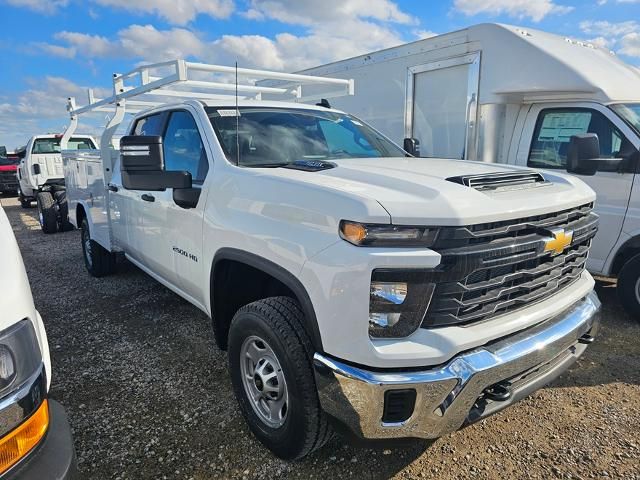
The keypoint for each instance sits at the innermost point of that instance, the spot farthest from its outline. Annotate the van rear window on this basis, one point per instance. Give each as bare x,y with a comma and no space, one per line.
52,145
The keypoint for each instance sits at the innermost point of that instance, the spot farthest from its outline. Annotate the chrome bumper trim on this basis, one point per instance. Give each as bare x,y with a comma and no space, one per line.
451,395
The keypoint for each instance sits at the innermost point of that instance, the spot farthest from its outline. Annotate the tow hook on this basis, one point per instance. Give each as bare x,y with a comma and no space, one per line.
586,339
498,392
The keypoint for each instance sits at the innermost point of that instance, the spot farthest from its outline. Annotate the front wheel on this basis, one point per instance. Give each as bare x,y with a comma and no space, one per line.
629,286
270,363
98,261
47,214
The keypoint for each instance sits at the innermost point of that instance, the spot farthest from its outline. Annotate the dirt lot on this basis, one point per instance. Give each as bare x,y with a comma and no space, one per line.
148,393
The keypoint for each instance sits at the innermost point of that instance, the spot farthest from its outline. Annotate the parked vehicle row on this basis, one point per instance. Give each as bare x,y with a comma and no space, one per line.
350,282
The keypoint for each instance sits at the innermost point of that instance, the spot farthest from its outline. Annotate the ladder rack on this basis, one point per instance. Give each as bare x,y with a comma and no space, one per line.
151,85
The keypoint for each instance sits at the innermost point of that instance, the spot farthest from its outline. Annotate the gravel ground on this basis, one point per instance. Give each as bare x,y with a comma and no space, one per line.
149,396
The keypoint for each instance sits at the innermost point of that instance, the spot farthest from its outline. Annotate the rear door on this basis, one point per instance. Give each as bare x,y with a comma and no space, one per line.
544,144
441,106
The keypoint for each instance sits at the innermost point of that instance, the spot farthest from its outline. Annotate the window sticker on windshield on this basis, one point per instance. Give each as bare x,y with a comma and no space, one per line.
560,126
228,113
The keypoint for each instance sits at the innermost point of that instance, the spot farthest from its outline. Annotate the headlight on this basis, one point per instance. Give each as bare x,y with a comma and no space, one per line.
398,301
381,235
20,355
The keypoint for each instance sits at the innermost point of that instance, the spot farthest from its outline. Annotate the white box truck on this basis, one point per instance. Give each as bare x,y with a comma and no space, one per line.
349,282
508,95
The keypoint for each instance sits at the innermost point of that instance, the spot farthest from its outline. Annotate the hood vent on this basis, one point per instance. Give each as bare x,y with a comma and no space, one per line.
500,180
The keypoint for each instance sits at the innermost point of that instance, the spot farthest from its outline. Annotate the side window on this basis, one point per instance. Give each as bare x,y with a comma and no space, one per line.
151,125
183,149
555,127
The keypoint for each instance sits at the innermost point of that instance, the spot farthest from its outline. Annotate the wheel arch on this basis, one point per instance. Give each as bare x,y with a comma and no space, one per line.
284,282
628,250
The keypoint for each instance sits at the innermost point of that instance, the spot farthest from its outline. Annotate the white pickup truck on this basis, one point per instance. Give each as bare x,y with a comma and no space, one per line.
350,283
35,436
40,178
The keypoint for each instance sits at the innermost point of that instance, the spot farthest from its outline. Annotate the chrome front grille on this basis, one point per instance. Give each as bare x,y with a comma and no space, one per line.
491,269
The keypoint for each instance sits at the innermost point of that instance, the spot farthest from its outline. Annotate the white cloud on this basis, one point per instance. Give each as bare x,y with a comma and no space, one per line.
608,29
177,12
623,37
331,11
534,9
42,108
630,44
42,6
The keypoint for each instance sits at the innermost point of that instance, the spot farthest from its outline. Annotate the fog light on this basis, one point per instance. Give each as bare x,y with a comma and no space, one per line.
17,443
7,367
383,320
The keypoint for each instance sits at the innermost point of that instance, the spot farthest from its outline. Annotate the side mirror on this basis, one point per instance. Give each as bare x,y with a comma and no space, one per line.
142,165
3,151
583,156
36,169
412,146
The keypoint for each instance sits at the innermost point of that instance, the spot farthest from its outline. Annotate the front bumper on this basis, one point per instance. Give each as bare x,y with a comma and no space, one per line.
54,457
449,396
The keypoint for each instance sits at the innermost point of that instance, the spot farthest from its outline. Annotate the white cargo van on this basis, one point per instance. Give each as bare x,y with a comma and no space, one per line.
504,94
347,280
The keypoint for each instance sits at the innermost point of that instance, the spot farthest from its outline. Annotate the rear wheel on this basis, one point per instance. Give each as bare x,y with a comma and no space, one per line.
63,210
98,261
47,214
273,380
629,287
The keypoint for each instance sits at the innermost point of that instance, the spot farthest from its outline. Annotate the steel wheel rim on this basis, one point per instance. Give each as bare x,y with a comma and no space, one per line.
263,381
40,215
86,243
638,290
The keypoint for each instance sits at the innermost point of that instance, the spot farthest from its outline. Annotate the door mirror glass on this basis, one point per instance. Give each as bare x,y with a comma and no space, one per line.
142,165
412,146
36,169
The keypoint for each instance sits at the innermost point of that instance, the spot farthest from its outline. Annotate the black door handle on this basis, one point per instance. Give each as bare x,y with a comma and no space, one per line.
148,198
112,187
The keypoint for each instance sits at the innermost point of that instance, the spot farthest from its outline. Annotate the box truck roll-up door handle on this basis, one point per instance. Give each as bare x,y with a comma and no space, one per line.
148,198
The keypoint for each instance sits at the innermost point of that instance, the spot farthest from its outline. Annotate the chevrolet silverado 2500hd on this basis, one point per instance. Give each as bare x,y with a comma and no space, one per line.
35,437
349,282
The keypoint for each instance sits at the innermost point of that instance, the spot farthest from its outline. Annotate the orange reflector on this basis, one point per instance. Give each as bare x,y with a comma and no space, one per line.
17,443
353,232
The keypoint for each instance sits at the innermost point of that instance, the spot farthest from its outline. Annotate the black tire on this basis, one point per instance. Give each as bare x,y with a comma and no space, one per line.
277,320
629,286
63,211
47,214
98,261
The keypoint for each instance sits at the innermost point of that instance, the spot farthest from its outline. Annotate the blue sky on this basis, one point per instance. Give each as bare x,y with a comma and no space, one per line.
52,49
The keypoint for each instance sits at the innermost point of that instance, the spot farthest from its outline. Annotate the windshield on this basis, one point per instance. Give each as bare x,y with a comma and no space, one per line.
630,113
10,160
278,136
52,145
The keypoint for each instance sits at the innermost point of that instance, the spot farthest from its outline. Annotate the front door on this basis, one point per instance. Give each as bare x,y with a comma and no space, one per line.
544,144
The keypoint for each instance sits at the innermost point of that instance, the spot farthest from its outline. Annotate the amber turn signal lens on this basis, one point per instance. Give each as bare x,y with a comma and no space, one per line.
17,443
353,232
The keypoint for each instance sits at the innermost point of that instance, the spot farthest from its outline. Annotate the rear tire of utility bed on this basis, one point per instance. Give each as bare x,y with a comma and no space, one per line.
98,261
47,214
629,287
280,358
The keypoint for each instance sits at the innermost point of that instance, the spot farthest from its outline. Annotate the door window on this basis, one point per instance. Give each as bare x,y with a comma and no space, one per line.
556,126
151,125
183,148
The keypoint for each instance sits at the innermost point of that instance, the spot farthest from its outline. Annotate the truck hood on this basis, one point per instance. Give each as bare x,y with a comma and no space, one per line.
416,190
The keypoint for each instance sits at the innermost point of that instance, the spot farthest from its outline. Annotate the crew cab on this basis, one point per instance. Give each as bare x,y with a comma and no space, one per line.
35,437
350,283
41,178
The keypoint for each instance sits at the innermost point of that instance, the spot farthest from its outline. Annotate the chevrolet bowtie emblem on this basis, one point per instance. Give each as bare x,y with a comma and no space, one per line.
559,242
